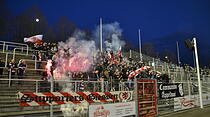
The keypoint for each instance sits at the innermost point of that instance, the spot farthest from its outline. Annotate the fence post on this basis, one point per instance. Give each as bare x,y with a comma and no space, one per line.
6,47
14,54
36,86
27,50
136,95
35,62
75,86
3,47
6,60
153,63
94,86
22,49
162,68
111,83
165,66
102,85
182,74
51,90
10,74
120,86
188,84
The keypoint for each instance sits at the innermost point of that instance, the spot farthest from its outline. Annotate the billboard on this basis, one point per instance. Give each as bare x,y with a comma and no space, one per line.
112,110
171,90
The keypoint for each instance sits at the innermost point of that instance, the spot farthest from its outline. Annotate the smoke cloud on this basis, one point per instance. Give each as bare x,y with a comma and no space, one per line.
112,34
77,55
74,55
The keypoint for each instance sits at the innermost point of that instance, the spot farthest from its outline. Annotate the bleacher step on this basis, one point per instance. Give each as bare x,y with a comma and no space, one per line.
18,108
26,113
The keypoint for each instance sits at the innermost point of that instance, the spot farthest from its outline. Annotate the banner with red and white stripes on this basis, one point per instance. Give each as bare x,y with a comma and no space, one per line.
52,98
136,72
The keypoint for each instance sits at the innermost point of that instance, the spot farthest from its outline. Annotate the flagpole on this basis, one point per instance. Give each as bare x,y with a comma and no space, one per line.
140,54
177,47
101,46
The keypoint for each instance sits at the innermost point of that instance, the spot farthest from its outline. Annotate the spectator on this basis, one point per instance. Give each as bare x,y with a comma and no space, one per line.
165,78
11,69
40,59
21,69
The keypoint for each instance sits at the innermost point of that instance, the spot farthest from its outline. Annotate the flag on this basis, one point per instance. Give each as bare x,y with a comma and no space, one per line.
34,39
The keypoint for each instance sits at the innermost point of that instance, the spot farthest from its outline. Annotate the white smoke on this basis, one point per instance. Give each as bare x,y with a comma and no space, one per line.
74,55
77,55
112,36
75,110
71,109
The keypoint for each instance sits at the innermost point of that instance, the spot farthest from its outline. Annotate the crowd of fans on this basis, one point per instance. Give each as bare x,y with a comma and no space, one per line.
108,65
114,69
111,66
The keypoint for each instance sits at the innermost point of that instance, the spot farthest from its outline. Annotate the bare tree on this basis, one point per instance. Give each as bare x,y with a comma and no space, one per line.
64,28
148,49
168,56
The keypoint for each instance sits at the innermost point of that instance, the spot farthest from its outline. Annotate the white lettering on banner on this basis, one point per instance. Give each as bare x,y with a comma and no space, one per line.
112,110
168,95
169,87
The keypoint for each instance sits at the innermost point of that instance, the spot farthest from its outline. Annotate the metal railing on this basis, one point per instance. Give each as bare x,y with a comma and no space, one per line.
164,105
27,52
7,44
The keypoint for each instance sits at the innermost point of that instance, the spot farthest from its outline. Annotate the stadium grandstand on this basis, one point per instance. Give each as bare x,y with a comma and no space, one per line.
28,69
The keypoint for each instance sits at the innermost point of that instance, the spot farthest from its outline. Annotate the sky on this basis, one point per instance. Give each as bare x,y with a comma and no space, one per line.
162,22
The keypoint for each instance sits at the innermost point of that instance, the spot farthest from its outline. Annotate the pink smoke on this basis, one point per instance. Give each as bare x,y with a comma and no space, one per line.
74,56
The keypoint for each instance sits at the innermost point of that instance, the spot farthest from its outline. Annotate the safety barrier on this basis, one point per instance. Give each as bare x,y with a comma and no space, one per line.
27,51
5,45
164,104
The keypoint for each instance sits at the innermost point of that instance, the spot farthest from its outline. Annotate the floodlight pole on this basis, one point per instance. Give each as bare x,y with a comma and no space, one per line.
198,73
140,54
177,47
101,47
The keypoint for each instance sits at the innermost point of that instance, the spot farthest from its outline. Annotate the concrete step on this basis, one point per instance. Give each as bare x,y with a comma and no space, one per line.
9,102
15,88
15,84
14,92
4,98
28,113
9,105
18,108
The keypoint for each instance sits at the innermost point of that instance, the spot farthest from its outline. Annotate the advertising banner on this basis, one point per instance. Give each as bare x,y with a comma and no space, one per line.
186,102
112,110
171,90
49,98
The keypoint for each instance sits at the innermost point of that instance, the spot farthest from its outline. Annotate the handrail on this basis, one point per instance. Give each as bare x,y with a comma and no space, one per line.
22,79
12,43
14,51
